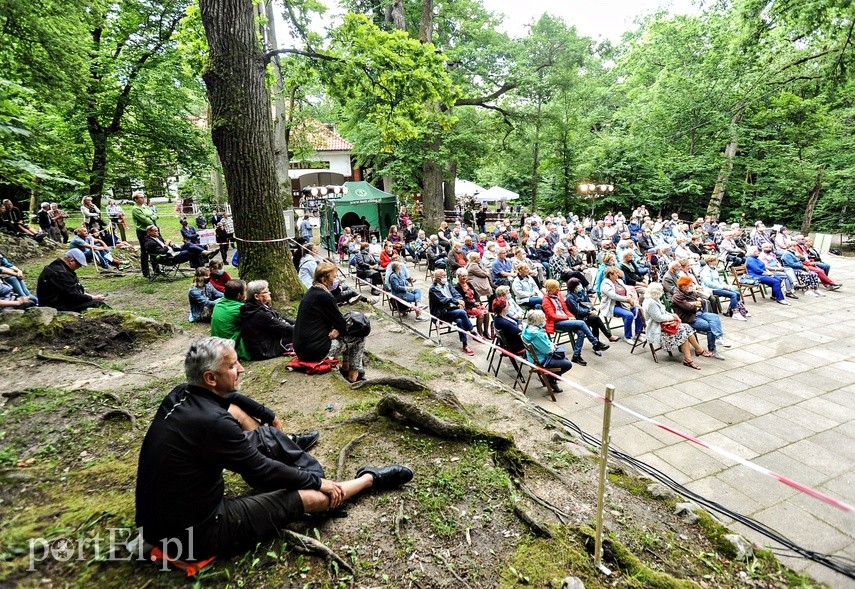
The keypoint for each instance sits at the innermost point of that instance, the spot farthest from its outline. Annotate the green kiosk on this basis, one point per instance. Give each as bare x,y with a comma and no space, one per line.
365,209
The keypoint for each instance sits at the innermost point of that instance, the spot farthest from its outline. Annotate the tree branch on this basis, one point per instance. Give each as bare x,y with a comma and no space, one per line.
313,54
504,88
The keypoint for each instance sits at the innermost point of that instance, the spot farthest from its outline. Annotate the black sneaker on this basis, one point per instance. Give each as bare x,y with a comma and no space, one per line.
307,440
600,347
387,477
577,359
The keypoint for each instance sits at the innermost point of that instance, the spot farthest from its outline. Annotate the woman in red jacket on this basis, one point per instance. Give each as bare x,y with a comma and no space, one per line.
559,318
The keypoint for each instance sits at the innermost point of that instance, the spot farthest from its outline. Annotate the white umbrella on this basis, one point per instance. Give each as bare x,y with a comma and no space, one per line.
466,188
497,193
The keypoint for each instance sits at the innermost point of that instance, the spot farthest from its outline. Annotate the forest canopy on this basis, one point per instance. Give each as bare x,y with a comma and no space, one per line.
744,110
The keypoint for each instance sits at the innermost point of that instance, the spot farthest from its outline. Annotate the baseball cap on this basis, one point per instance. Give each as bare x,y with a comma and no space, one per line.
76,255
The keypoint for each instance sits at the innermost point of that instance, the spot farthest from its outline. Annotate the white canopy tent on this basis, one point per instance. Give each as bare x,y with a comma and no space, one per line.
496,193
466,188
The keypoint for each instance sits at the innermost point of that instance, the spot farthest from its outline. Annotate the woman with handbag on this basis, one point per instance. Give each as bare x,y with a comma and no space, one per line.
548,356
321,330
616,299
581,307
666,330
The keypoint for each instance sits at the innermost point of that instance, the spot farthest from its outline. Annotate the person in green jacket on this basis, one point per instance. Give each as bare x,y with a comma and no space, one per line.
225,319
143,216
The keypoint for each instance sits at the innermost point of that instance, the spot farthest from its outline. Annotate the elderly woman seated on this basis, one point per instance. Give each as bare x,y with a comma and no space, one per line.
810,280
508,328
479,277
203,296
688,305
525,289
514,311
710,278
675,334
404,289
535,336
619,300
447,304
581,307
559,318
266,334
477,312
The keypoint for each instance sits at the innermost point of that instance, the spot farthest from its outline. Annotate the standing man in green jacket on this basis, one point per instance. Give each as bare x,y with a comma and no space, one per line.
143,217
225,319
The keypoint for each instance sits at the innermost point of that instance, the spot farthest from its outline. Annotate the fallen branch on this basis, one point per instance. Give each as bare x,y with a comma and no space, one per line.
403,383
451,570
342,456
309,545
398,519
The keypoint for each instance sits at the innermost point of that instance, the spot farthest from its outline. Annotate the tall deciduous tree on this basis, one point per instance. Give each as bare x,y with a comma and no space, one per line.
243,135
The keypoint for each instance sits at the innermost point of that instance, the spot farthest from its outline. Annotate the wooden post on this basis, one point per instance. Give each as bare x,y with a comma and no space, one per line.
601,490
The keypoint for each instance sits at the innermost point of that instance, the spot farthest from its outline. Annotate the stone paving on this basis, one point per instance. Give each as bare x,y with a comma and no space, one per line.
784,398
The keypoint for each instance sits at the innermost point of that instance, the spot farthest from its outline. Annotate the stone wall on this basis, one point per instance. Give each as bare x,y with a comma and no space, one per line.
20,249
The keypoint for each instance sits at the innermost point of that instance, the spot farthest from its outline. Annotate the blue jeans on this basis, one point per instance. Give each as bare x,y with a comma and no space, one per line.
711,323
731,294
775,284
628,317
825,267
20,288
535,302
562,364
582,331
461,319
413,296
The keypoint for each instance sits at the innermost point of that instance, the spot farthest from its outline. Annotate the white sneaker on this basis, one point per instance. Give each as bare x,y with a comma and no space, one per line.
718,355
631,341
818,293
738,317
812,293
721,342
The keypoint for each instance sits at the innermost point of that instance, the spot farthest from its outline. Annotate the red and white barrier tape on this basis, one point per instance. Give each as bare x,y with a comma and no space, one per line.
841,505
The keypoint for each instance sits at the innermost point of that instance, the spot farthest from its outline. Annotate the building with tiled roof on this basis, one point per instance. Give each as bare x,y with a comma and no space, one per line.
328,161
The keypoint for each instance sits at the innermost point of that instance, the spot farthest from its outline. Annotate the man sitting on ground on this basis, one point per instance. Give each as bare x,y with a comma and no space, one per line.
266,333
94,249
58,286
204,427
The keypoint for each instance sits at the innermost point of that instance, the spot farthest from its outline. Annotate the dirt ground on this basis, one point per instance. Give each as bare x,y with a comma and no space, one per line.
509,502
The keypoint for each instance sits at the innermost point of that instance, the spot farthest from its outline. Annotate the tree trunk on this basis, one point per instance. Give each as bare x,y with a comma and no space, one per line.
717,197
426,28
449,200
98,171
395,15
535,157
814,197
242,133
280,120
432,194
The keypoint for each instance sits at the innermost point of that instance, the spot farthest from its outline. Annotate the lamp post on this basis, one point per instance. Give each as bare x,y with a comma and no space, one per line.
593,192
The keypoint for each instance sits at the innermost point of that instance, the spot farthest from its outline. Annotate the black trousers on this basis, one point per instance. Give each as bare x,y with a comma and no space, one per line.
141,235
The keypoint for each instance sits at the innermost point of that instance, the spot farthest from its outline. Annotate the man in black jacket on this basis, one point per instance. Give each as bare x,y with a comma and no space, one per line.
161,249
204,427
58,286
265,332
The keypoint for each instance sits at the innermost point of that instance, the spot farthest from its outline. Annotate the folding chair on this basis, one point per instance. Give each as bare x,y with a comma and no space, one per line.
564,337
751,289
540,374
166,268
500,341
440,330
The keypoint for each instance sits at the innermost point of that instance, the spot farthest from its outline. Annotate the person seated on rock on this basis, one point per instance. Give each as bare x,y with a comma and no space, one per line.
534,335
225,318
321,330
265,332
581,307
559,318
403,289
711,279
447,305
217,275
164,249
513,310
95,250
688,306
13,221
14,277
202,297
59,287
684,339
204,427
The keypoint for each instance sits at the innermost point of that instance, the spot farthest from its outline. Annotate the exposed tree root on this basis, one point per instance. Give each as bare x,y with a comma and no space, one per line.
399,518
42,355
309,545
363,419
121,413
451,570
403,383
535,526
342,456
